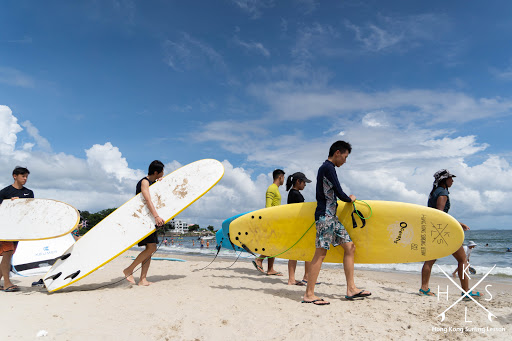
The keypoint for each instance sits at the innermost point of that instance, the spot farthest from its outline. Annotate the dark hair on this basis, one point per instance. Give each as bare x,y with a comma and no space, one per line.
342,146
277,173
290,182
155,166
20,170
441,183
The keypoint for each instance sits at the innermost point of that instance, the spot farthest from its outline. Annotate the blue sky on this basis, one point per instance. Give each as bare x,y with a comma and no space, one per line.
92,91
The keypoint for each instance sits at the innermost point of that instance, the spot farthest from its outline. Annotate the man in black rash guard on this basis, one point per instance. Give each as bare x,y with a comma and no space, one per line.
329,229
7,248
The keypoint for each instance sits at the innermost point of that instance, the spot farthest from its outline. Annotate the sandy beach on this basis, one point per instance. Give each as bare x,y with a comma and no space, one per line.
219,303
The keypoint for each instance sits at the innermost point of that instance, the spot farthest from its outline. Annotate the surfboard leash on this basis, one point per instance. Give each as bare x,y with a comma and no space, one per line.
355,210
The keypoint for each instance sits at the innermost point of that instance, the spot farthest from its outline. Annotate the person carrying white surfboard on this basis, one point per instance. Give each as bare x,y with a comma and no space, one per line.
439,199
7,248
329,230
272,198
294,184
155,172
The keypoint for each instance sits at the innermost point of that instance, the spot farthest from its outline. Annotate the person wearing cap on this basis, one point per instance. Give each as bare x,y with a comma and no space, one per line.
294,184
467,249
439,198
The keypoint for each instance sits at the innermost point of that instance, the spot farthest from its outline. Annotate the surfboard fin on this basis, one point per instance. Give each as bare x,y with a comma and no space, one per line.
53,277
65,256
73,275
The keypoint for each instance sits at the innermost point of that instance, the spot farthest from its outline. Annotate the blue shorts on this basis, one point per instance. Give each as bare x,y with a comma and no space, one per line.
329,230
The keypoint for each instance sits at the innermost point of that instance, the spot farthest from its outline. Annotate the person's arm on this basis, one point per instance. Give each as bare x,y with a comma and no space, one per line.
144,188
441,202
333,178
269,198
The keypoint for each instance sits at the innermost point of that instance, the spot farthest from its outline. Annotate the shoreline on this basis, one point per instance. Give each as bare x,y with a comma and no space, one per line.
219,303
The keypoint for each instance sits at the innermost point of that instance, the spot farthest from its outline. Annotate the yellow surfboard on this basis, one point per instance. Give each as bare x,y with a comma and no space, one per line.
393,232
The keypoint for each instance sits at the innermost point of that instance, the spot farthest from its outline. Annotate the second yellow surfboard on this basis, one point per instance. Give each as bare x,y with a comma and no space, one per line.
395,233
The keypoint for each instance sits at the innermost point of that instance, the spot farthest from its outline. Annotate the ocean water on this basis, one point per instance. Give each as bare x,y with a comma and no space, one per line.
483,258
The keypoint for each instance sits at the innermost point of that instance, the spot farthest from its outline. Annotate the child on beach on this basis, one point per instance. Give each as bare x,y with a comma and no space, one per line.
294,184
329,229
155,172
7,248
272,198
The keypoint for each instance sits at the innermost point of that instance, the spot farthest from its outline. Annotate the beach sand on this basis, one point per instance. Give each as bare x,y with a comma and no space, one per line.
221,303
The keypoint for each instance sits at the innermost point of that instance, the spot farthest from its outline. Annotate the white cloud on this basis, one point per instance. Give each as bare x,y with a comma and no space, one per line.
388,162
190,53
253,7
15,77
252,46
399,33
299,99
9,127
34,133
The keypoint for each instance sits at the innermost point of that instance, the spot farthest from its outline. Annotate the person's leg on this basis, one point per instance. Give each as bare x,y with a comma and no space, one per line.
307,267
259,261
348,266
460,256
425,276
5,267
128,272
151,248
292,265
314,271
454,273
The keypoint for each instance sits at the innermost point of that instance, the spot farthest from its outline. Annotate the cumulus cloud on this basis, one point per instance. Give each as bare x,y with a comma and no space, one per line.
388,162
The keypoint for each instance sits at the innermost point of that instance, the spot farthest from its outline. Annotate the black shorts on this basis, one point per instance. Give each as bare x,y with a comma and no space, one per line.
152,238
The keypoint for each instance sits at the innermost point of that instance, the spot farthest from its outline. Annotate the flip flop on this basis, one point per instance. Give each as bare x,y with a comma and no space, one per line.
259,268
358,295
426,293
12,288
315,302
306,282
275,274
300,284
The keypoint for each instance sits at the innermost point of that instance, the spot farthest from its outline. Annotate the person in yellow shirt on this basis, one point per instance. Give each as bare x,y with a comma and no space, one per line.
272,198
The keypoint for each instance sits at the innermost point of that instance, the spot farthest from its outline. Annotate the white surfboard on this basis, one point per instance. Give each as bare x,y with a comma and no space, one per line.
35,257
35,219
132,222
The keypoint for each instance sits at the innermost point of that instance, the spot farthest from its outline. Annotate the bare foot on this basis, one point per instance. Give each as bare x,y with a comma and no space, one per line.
129,276
144,282
358,293
299,283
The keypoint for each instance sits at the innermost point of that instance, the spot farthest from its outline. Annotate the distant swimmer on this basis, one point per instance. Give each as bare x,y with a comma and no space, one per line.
508,250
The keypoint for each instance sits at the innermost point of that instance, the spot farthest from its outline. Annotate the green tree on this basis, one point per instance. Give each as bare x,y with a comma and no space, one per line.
94,218
211,228
194,227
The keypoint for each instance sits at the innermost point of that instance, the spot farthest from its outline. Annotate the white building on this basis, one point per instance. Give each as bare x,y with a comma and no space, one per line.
179,226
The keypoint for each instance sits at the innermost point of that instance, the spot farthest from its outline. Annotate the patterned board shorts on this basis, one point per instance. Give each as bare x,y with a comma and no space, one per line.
329,230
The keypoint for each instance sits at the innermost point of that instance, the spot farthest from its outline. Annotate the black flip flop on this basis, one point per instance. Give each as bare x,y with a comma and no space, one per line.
319,300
